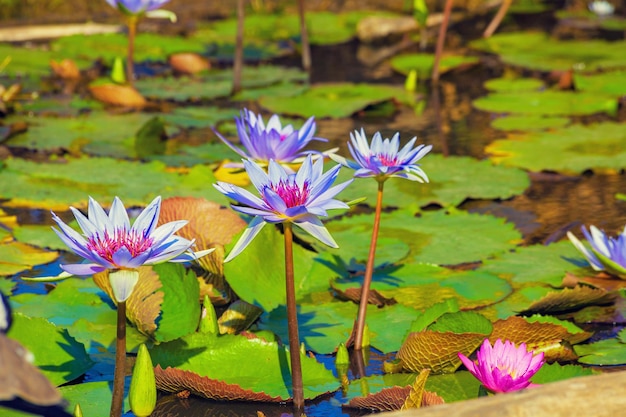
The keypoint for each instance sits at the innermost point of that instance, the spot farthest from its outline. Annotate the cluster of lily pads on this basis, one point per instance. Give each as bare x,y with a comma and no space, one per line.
424,305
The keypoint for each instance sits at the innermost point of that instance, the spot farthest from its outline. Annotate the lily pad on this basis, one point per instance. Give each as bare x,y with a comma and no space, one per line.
60,184
539,51
603,352
548,103
610,83
529,122
33,61
16,257
448,186
252,364
598,147
335,100
514,84
93,397
423,63
61,358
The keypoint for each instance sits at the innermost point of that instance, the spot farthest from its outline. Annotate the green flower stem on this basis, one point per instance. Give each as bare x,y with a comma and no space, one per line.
120,362
359,326
130,58
292,321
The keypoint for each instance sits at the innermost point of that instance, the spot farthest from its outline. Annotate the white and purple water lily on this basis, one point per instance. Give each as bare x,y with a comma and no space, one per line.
384,159
504,367
298,198
136,7
606,253
262,143
109,242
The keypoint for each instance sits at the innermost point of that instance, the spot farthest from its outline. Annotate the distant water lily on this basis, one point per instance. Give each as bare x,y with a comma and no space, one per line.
272,141
298,198
504,367
135,7
381,160
601,8
606,253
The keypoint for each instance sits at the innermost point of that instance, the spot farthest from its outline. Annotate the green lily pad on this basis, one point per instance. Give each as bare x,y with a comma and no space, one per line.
571,150
430,234
253,364
514,84
529,122
551,372
26,61
538,51
93,397
423,63
61,358
448,186
217,83
547,102
69,182
16,257
148,46
199,117
536,264
603,352
610,83
335,100
191,155
58,105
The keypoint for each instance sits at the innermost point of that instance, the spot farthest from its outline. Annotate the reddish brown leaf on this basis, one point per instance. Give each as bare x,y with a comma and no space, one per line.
188,63
569,299
431,398
387,399
118,95
66,69
519,330
176,380
600,280
354,294
437,351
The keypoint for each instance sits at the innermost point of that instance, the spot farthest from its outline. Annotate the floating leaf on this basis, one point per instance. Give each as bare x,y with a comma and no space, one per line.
16,257
579,148
514,84
555,372
423,63
335,100
210,365
609,83
32,61
151,138
603,352
238,317
569,299
61,358
118,95
529,122
93,397
387,399
462,322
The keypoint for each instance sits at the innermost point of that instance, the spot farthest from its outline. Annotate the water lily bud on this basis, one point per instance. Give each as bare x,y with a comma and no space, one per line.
143,393
366,336
302,349
118,72
208,320
342,358
78,412
410,84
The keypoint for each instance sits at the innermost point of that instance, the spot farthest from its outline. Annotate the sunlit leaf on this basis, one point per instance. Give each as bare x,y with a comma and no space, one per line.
555,372
514,84
93,397
16,257
603,352
610,83
569,299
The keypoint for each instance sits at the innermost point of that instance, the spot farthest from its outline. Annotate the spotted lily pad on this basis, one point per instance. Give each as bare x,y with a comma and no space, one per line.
598,147
255,365
335,100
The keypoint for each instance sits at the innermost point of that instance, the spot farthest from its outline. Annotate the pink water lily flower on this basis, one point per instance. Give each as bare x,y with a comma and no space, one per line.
504,367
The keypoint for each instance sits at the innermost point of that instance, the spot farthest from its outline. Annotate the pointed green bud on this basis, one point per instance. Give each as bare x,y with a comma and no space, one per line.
410,84
342,358
118,72
366,336
142,395
302,349
78,412
208,320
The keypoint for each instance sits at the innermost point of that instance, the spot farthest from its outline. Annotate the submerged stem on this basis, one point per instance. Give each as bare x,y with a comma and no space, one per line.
120,362
130,57
359,326
292,321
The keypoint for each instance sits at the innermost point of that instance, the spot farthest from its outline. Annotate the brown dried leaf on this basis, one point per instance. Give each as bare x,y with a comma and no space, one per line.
387,399
21,379
569,299
118,95
437,351
144,304
238,317
601,280
518,330
431,398
175,380
354,294
66,69
210,224
415,397
555,351
188,63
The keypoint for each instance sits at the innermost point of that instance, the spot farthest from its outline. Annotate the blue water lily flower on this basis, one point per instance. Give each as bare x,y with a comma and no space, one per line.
110,242
384,159
135,7
271,141
299,198
606,253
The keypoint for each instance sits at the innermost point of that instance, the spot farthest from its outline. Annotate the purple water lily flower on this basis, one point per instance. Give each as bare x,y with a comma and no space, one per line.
110,242
383,159
273,141
606,253
504,367
135,7
286,197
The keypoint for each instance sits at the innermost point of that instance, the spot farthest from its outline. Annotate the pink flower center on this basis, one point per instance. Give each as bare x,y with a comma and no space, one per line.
291,193
106,245
387,160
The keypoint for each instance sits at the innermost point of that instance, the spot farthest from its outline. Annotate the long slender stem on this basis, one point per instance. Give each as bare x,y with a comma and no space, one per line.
359,326
238,60
130,57
120,362
441,40
304,38
497,19
292,322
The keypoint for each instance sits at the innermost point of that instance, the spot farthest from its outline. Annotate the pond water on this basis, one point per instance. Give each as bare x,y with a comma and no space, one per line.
552,204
